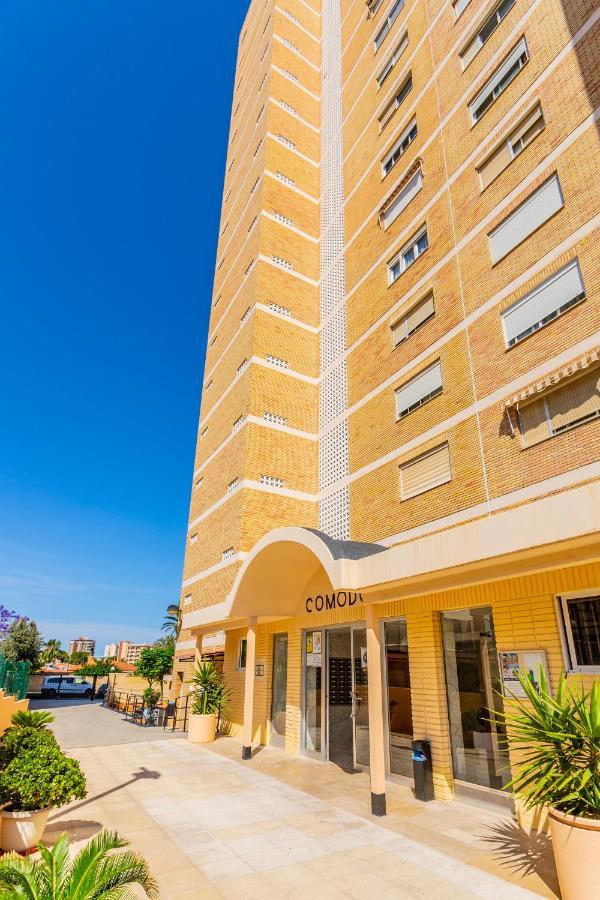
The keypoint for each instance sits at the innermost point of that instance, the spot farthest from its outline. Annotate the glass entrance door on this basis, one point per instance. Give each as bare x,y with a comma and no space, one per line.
347,697
473,686
279,689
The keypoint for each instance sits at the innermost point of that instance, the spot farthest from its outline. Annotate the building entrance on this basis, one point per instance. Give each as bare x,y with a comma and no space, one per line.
342,714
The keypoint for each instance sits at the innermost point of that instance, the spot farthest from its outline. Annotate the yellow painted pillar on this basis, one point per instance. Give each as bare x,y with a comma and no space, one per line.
247,728
376,726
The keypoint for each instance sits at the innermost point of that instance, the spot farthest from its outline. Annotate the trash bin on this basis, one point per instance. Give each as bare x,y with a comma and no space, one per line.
422,770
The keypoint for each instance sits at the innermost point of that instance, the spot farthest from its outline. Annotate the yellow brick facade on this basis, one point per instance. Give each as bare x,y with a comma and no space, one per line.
264,435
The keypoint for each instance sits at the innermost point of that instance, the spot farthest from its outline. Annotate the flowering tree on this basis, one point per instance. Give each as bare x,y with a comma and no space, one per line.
7,617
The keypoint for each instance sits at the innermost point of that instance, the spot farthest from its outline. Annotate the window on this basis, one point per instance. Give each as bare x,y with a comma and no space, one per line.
543,304
279,310
499,81
238,423
187,600
373,6
486,30
232,485
581,627
565,407
540,206
422,312
276,361
193,538
398,202
399,148
425,472
423,387
198,484
274,418
409,253
392,59
242,366
246,315
241,657
459,7
503,154
227,554
285,178
385,28
391,108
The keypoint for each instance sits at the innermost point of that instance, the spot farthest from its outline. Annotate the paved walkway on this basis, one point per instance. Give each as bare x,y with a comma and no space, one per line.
81,723
212,826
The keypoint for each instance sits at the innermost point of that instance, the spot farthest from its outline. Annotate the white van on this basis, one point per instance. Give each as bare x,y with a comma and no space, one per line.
67,684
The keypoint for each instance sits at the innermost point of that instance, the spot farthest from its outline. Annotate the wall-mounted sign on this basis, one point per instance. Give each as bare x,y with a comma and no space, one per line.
259,670
527,662
336,600
313,648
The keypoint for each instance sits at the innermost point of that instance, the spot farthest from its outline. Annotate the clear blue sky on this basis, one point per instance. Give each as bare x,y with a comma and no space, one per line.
114,120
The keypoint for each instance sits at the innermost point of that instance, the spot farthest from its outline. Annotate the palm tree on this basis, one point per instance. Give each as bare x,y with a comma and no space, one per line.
52,650
95,873
172,621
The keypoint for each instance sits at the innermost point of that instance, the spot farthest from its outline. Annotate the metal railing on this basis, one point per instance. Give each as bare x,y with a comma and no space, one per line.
173,715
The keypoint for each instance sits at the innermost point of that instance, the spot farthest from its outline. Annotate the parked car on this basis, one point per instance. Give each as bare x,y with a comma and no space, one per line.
73,685
102,692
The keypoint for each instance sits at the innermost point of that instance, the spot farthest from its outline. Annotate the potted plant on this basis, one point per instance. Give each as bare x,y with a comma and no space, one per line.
94,873
209,696
36,776
557,739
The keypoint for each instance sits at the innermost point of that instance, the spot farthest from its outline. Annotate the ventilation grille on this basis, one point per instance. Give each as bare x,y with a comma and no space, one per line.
271,481
274,419
334,518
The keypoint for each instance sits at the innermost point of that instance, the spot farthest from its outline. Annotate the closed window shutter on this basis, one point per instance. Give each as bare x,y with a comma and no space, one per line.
401,201
426,472
494,164
578,400
535,118
533,212
417,315
499,75
534,424
554,293
420,387
470,52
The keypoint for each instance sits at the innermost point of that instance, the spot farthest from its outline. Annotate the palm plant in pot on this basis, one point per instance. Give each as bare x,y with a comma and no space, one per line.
557,742
209,697
35,777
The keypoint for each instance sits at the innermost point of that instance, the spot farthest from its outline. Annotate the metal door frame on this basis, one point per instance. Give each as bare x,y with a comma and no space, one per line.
280,742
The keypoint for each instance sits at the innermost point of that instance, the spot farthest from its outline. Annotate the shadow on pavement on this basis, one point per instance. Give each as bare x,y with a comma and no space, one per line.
136,776
523,853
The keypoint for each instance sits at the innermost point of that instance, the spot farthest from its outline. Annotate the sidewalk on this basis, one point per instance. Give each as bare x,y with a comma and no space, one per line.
275,826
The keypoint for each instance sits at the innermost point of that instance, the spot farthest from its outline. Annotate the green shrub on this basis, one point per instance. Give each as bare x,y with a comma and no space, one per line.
209,692
39,780
27,718
22,740
150,697
557,739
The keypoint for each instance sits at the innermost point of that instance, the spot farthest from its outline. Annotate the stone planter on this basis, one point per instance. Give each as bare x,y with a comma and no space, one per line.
22,831
576,845
202,729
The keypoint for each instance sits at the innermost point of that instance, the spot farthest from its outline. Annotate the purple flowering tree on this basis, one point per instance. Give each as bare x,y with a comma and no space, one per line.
7,617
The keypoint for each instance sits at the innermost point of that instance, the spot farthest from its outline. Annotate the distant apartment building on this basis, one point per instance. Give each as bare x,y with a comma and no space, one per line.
395,501
110,651
130,652
82,645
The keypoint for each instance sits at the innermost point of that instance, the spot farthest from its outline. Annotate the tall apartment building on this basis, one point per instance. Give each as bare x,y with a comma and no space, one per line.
395,501
82,645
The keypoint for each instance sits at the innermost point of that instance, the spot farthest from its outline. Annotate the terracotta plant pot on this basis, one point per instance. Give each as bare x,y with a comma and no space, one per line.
576,845
22,830
202,729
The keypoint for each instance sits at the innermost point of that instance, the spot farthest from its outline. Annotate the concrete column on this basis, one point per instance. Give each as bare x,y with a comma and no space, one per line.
247,729
376,724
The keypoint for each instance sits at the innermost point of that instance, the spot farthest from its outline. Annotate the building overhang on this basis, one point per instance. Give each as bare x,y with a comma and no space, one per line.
289,564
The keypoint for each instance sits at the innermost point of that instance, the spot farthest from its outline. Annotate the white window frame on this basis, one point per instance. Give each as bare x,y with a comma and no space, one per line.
459,7
536,326
395,10
412,184
426,397
411,462
491,85
476,35
390,109
399,257
390,63
566,634
499,253
397,145
396,322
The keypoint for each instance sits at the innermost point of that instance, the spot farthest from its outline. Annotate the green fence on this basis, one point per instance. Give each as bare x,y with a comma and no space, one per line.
14,677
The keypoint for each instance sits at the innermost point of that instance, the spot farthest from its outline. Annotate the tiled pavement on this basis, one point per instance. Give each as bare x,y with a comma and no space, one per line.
212,826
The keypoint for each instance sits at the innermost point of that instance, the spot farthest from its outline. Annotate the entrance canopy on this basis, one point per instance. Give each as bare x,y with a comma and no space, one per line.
280,573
